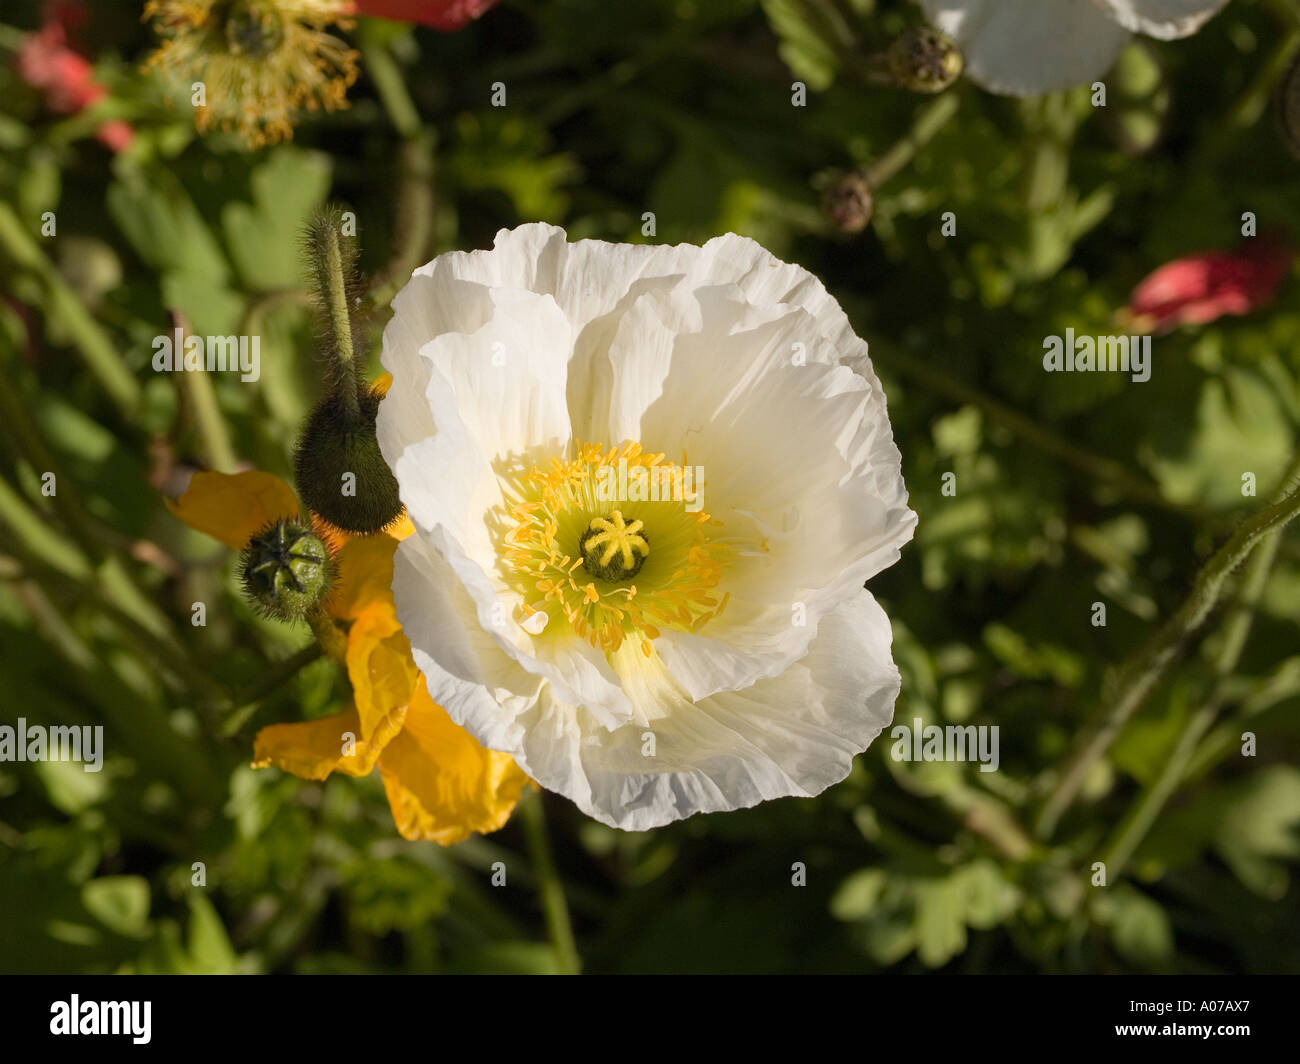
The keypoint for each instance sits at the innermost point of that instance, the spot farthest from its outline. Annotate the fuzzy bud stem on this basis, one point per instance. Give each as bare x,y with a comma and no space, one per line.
336,304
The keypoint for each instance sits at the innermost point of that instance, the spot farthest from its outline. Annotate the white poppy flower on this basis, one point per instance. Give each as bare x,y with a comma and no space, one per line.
648,484
1027,47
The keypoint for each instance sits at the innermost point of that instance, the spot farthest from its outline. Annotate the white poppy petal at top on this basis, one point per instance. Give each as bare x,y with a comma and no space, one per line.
648,484
1165,19
1029,47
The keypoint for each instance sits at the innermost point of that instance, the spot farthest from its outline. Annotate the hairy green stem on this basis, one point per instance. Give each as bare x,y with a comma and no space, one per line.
390,85
1148,805
140,724
414,221
1144,670
97,351
244,705
214,437
929,122
1101,469
28,442
554,906
336,306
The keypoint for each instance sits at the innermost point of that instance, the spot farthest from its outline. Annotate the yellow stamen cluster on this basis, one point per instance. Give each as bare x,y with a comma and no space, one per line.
612,548
552,512
261,62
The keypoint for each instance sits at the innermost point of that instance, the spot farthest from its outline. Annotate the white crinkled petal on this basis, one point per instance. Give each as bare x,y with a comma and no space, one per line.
1029,47
591,278
1166,19
493,396
798,499
792,735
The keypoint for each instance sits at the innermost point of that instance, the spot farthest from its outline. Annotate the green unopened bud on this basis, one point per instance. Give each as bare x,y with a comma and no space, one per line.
340,470
90,266
924,60
847,202
1139,100
286,571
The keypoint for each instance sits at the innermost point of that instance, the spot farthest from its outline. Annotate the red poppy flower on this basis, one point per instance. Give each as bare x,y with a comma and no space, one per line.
1202,287
45,62
445,15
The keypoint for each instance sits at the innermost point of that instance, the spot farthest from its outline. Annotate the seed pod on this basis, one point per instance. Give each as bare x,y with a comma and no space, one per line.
286,571
847,202
924,60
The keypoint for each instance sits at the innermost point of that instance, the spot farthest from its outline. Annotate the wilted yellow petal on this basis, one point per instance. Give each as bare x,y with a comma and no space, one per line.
379,665
313,749
442,785
234,507
365,575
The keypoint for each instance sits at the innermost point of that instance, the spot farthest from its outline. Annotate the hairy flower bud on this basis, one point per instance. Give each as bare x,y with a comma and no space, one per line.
341,474
847,202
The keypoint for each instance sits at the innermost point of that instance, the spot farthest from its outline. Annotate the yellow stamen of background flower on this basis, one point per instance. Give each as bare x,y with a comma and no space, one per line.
261,62
551,508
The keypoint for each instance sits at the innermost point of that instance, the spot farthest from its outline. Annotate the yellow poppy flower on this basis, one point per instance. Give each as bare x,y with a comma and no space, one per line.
442,784
260,63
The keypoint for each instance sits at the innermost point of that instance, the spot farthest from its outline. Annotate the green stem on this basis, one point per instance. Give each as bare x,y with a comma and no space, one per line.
413,227
173,663
331,638
27,441
110,578
217,448
989,818
247,703
257,311
97,351
35,535
389,83
1148,805
141,725
549,885
929,122
1140,674
1102,469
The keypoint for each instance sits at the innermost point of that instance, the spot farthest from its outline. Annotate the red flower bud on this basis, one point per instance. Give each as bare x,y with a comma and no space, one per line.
47,63
1202,287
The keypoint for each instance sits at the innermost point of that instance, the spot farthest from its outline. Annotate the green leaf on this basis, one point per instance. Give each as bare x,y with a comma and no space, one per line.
805,47
120,903
1139,928
264,237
